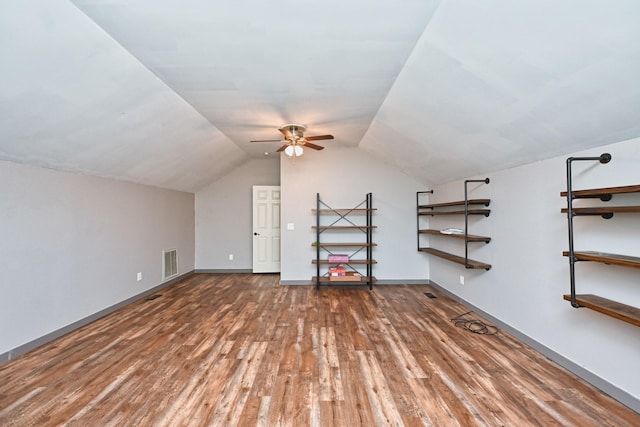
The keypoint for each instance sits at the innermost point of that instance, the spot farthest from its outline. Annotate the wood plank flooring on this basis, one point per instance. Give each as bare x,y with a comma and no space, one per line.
240,350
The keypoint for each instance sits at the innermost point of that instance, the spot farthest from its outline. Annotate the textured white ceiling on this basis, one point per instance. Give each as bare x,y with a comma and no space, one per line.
494,83
71,98
168,93
251,66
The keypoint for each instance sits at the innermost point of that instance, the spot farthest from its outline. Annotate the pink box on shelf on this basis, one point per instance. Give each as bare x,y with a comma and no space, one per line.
338,258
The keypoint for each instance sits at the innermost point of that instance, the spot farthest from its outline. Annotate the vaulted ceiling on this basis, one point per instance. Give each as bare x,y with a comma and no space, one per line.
169,93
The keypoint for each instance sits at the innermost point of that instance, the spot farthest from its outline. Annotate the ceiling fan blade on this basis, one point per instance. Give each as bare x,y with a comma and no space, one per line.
285,132
318,137
266,140
282,148
313,146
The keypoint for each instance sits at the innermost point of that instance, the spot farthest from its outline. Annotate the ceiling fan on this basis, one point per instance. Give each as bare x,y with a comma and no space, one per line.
294,140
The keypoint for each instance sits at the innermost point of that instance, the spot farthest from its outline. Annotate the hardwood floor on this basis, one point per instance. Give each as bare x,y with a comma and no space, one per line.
227,350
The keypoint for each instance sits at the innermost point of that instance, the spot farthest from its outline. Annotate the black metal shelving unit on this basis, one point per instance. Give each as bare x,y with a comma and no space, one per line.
349,223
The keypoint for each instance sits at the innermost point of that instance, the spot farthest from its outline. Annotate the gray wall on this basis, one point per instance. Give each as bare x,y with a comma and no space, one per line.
343,176
71,246
529,276
223,216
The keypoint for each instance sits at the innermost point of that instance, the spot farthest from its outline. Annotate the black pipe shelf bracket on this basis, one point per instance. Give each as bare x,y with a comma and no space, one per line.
449,209
616,309
572,212
466,218
419,195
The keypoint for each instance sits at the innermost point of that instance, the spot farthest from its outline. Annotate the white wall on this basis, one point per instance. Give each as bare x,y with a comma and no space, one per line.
223,216
529,276
343,176
71,246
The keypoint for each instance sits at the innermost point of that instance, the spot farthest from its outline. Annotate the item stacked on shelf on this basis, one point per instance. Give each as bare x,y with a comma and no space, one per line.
338,258
452,231
340,274
337,271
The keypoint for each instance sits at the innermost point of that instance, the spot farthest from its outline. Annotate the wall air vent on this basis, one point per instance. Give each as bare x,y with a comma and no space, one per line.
169,263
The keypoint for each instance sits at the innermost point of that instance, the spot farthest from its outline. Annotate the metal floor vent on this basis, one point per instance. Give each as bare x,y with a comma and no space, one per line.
169,263
152,297
430,295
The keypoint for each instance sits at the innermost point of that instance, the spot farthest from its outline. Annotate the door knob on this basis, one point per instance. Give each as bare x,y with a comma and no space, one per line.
256,234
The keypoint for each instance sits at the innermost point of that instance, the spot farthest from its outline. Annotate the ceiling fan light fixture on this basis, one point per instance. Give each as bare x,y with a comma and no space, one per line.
293,151
294,139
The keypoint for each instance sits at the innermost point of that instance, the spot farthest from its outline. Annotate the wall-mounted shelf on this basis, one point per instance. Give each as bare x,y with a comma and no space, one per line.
467,262
605,212
606,258
606,306
485,202
470,237
471,207
431,208
603,193
611,308
355,223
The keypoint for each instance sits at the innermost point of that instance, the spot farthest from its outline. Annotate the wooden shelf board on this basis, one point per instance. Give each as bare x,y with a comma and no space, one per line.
611,308
606,258
363,279
603,210
343,227
485,202
595,192
343,211
470,237
455,258
352,261
343,245
484,212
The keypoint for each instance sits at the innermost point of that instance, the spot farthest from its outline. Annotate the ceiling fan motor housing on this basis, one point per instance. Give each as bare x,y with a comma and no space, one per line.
293,131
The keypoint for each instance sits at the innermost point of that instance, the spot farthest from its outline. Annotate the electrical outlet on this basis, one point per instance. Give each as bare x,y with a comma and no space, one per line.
139,276
461,279
230,257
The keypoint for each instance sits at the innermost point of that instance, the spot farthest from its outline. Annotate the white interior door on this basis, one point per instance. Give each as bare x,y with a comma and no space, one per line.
266,228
